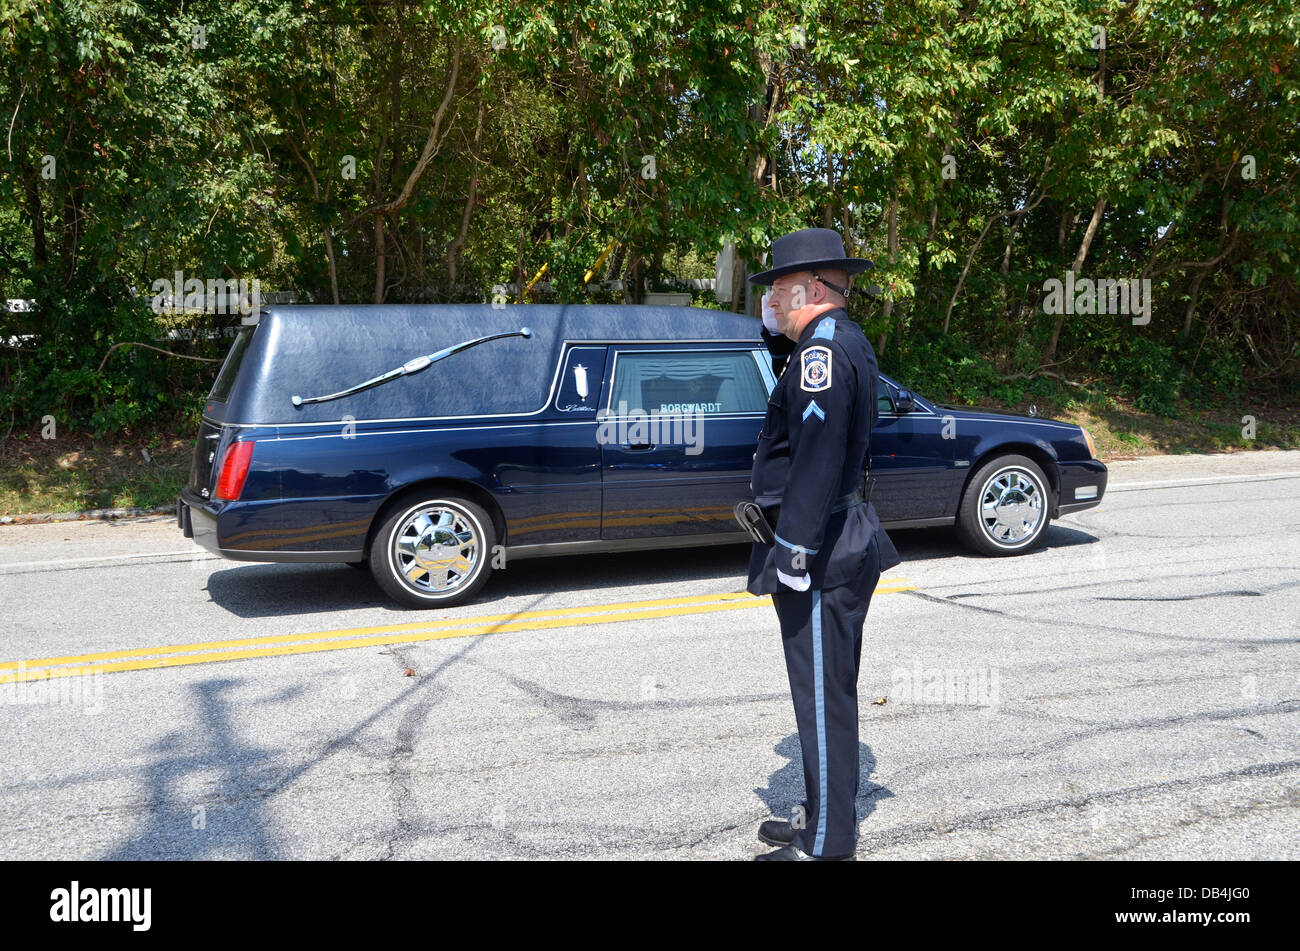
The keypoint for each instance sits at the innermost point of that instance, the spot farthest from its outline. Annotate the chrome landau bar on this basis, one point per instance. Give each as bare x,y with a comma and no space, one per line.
410,366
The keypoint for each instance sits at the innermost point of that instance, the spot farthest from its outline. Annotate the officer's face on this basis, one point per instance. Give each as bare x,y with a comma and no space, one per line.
791,294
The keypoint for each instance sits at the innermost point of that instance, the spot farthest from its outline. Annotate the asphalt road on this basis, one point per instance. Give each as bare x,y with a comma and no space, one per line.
1129,691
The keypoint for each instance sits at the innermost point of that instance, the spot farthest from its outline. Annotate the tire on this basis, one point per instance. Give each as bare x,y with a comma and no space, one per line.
1019,522
411,562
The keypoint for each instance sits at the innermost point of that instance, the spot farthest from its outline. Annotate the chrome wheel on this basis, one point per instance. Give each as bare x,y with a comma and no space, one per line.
1011,507
437,549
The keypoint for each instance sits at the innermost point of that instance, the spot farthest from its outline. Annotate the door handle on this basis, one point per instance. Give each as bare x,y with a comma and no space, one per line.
637,447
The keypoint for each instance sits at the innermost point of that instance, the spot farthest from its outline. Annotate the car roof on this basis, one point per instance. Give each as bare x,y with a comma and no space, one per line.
560,321
311,350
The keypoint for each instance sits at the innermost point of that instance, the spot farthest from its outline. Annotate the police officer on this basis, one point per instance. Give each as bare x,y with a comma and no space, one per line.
829,549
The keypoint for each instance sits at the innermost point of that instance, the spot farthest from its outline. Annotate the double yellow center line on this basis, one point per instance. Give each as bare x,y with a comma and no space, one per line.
279,645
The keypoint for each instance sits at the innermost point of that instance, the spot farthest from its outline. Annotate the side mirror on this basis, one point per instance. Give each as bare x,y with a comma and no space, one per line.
906,403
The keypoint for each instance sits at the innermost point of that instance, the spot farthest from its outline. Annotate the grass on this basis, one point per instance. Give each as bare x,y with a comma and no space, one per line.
76,472
1121,431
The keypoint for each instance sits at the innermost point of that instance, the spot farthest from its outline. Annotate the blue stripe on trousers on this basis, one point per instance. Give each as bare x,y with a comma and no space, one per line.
820,694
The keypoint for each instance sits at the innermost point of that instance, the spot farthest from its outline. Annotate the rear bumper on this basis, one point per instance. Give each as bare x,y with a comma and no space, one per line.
1082,486
200,520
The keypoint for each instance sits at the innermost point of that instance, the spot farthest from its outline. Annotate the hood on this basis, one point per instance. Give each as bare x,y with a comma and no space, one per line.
972,411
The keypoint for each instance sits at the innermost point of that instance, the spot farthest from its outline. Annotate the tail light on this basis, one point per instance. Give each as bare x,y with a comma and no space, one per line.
234,469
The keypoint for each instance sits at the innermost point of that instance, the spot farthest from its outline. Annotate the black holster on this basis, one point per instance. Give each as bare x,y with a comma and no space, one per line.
751,518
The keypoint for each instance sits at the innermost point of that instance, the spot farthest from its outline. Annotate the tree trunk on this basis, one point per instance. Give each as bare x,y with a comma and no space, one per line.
738,275
334,271
1191,304
1062,226
380,273
71,228
1049,354
961,280
657,268
828,217
453,249
632,292
765,113
891,217
40,251
615,266
432,142
316,193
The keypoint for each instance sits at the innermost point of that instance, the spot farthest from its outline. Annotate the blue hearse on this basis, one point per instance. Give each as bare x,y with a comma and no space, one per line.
433,443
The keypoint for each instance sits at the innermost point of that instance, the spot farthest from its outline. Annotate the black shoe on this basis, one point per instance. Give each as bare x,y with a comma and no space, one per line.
792,853
780,832
776,832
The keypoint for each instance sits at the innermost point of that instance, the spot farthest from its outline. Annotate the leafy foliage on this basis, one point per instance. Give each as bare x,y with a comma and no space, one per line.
431,150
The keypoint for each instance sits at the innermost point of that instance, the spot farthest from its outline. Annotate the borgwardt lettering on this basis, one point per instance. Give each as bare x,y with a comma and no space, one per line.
103,904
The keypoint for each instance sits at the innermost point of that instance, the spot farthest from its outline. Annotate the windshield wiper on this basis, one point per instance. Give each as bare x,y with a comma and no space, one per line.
410,366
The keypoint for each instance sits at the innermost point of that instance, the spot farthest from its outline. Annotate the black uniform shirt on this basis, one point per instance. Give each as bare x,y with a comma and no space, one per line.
813,450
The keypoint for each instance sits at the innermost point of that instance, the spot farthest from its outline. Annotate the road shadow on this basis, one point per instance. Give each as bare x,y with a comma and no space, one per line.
193,824
785,786
921,544
277,590
229,818
251,590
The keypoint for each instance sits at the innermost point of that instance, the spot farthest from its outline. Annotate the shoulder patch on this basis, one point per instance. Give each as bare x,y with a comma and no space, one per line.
815,362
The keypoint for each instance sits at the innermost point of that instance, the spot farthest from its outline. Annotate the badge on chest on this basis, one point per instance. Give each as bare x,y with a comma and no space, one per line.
815,362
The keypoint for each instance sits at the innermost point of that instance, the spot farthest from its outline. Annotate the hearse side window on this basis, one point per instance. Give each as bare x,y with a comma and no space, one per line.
764,361
580,379
710,382
230,369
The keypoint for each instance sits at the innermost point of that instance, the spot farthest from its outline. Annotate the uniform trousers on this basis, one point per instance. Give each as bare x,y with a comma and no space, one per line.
821,631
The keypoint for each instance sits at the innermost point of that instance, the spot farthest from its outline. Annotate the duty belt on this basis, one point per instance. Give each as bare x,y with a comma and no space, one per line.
847,501
772,513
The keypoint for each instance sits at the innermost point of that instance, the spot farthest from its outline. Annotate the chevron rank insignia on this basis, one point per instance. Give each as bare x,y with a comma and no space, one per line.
816,364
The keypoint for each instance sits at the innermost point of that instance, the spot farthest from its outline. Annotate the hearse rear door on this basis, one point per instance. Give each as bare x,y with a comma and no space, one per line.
553,471
679,427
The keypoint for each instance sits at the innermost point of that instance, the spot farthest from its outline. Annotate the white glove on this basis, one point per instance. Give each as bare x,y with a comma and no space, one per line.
769,315
790,581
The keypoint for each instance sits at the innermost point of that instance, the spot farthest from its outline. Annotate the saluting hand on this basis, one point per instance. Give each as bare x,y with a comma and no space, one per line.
769,315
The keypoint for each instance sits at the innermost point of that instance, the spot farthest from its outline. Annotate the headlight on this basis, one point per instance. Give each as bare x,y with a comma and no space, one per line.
1087,437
